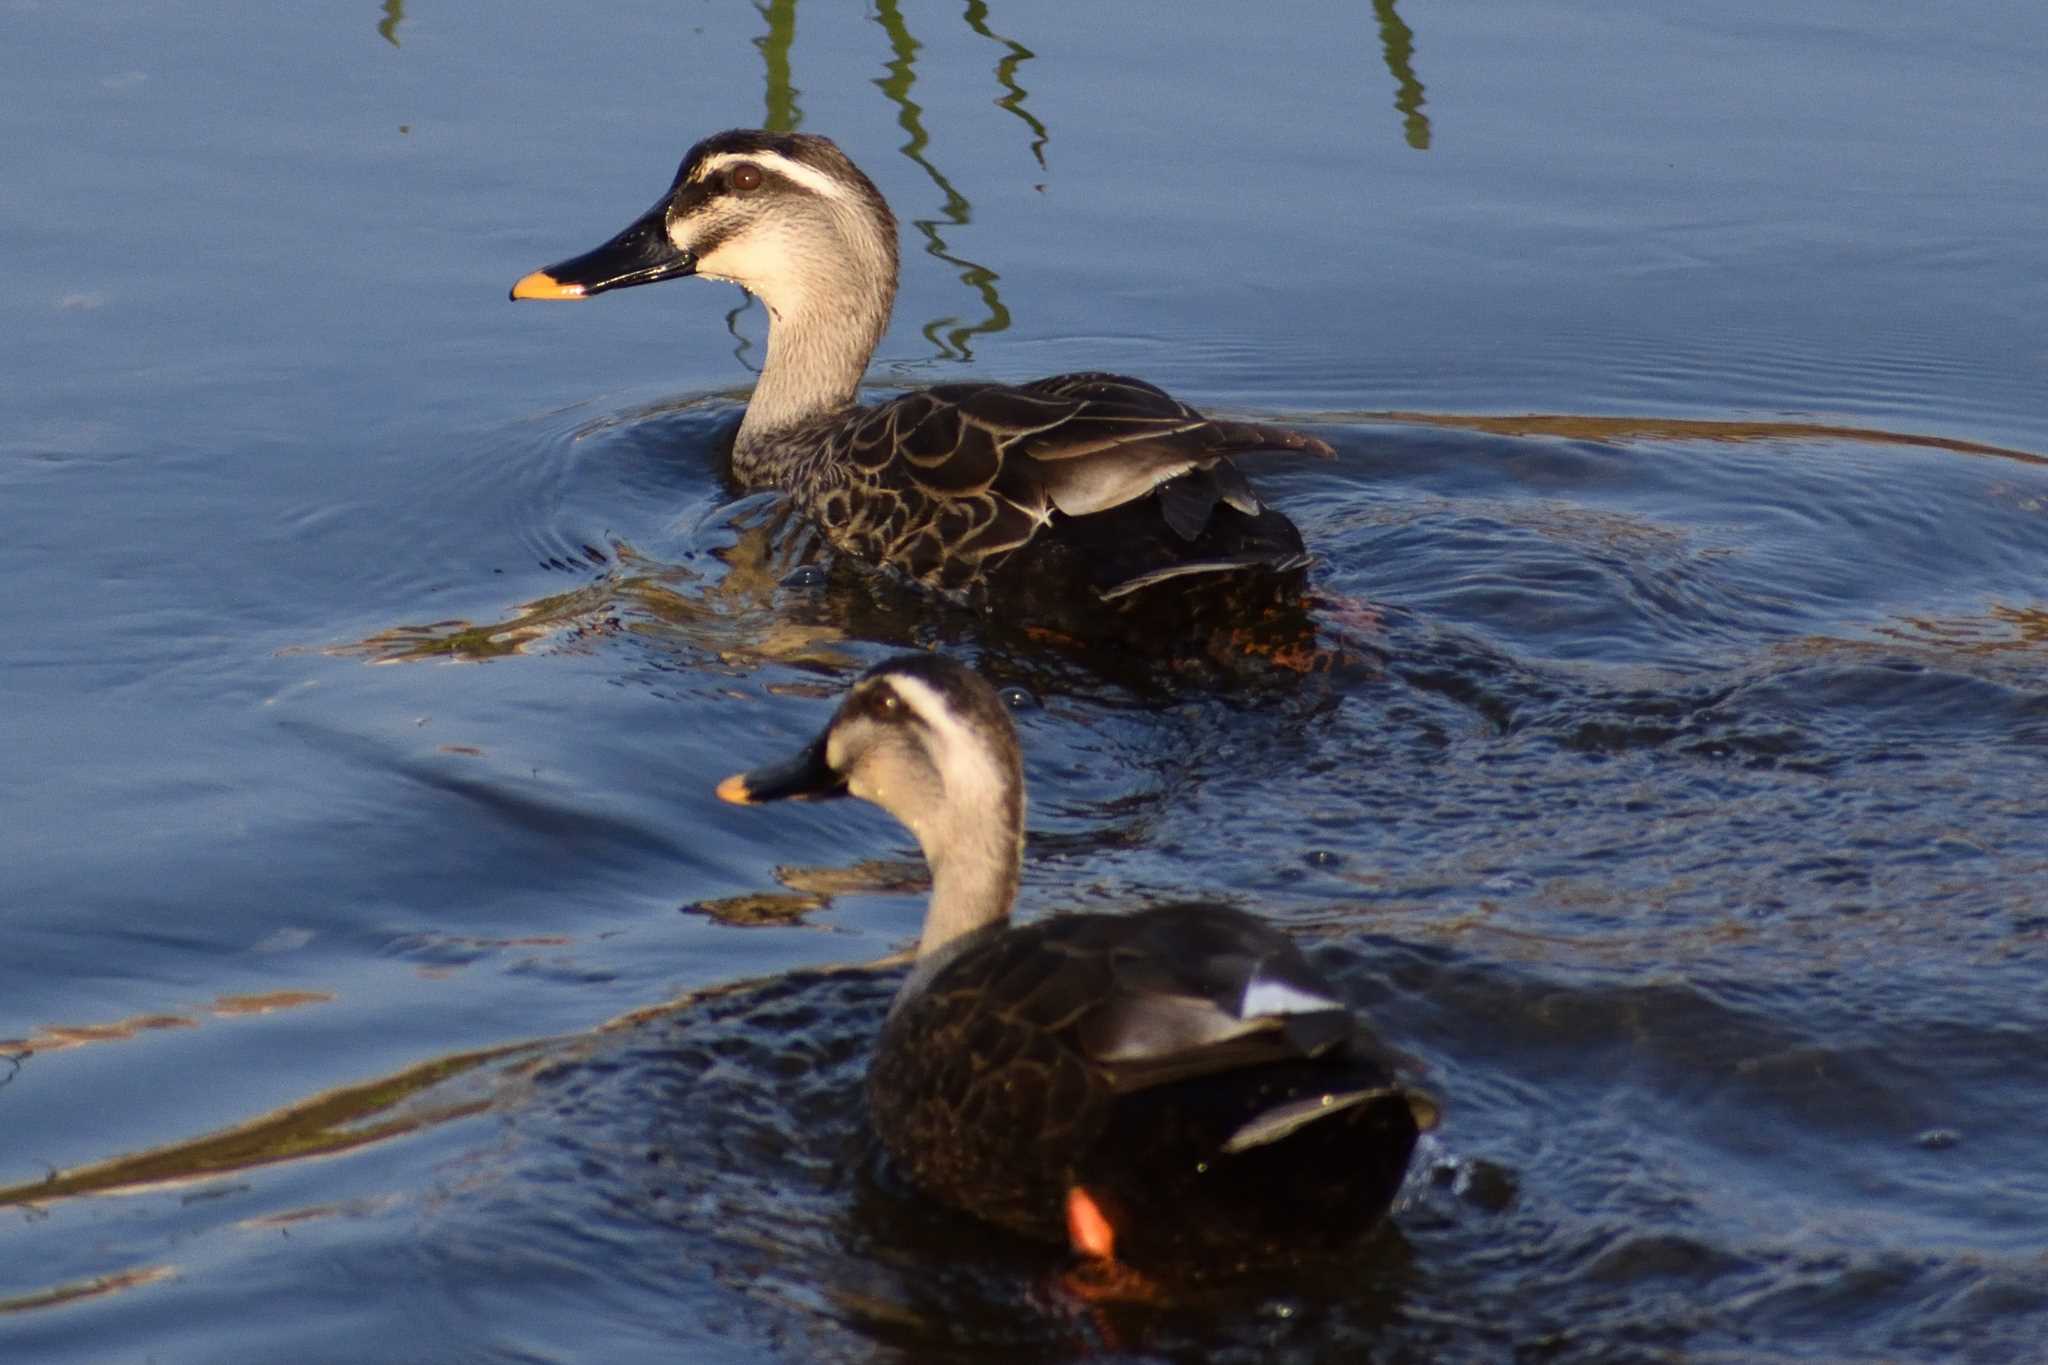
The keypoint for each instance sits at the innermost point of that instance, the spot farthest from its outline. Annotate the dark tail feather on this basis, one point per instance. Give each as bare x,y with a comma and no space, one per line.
1245,438
1310,1184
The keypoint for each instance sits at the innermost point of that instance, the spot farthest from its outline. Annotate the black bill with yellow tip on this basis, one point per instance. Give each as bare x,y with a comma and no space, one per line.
641,254
803,776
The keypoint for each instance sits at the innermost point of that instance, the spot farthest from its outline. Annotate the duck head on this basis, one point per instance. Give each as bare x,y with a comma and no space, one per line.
786,216
929,741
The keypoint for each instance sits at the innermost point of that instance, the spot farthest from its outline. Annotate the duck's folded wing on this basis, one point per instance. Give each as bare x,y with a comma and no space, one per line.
1125,438
952,440
1079,443
1196,990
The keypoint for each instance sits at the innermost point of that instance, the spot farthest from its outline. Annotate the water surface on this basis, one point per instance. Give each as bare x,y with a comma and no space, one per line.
385,980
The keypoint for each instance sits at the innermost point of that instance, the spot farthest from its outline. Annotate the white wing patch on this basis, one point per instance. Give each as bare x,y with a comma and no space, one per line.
1195,566
1279,1122
1096,483
1263,995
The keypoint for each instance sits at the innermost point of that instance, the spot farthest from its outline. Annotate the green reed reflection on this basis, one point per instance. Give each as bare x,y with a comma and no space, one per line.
949,336
394,15
784,115
1397,46
944,333
1006,76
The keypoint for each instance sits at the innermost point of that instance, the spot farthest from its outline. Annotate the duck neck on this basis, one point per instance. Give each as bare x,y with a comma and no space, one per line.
976,856
968,893
824,324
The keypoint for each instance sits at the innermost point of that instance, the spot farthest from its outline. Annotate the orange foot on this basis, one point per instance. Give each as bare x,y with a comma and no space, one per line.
1088,1227
1098,1284
1100,1278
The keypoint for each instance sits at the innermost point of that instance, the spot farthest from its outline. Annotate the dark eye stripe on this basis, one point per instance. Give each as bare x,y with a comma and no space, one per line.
693,194
881,703
709,243
700,190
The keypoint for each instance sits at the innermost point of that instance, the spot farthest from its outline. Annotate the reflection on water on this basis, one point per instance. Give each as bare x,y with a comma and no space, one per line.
325,1124
1547,831
2000,629
783,114
56,1037
1682,829
745,616
1397,45
812,888
947,334
97,1285
1601,428
1006,75
740,620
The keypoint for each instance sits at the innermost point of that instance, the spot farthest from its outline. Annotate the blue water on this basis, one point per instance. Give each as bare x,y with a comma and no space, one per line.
374,647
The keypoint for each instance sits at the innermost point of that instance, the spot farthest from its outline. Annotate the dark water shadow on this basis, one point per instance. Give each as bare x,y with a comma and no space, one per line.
710,1155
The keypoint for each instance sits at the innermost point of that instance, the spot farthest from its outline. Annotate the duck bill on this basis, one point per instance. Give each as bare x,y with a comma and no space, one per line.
803,776
641,254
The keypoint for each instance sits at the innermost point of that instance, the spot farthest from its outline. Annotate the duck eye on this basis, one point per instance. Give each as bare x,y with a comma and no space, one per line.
746,176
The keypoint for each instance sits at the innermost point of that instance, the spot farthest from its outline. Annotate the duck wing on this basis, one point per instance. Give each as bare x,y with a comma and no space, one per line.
1198,990
1113,1050
995,461
1095,441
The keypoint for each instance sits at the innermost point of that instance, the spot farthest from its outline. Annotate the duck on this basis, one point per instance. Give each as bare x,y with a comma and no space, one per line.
1174,1086
1103,484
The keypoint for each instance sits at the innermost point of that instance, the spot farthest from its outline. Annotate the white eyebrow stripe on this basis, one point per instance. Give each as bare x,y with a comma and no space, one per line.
973,781
810,177
930,707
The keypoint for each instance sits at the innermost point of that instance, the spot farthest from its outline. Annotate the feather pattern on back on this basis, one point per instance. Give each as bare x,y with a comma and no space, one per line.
946,484
1000,1085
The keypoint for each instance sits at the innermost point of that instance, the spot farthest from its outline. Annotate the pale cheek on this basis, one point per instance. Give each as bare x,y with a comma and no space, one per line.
749,261
875,792
763,265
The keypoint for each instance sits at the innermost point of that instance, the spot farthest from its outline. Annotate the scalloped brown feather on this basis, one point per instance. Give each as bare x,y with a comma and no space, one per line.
947,483
986,1092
